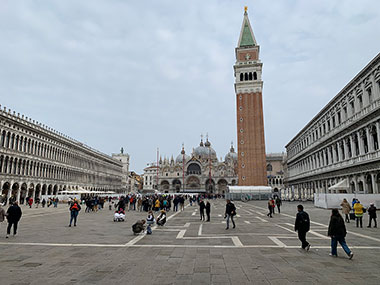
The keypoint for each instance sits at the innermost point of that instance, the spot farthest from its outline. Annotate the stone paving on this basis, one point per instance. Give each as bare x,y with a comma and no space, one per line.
260,250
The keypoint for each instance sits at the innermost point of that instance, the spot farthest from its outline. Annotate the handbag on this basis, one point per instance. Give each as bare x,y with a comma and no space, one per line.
352,216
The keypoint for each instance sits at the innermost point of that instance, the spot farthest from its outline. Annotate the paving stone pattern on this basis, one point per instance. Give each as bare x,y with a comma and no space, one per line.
260,250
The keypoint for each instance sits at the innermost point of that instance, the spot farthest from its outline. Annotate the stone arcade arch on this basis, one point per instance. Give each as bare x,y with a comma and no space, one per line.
23,193
193,182
5,191
165,185
177,185
222,186
210,185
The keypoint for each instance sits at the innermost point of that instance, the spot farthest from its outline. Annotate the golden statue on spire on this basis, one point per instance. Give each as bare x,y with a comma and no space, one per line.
245,9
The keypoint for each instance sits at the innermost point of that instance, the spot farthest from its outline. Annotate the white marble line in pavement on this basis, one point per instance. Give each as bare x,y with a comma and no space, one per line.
261,219
141,236
247,222
277,241
200,230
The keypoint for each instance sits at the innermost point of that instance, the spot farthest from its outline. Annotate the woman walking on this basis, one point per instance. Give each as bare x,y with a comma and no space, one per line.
337,232
346,208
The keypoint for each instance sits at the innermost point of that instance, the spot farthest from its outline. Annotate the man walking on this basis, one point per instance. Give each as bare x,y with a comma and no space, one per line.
230,213
372,215
302,225
278,203
202,207
13,215
208,210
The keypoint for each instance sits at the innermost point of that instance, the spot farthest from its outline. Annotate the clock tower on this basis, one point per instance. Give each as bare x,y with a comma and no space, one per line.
249,103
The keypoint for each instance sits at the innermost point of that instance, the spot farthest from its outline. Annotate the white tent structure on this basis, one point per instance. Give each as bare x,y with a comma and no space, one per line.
246,193
340,187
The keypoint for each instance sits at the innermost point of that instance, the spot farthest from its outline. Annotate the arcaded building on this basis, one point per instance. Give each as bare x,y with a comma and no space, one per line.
249,104
37,160
341,143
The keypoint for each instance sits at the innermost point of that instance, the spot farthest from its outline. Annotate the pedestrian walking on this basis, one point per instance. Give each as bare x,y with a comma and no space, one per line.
230,213
346,208
337,232
270,207
358,208
372,215
202,207
30,202
14,214
302,226
74,211
279,204
208,210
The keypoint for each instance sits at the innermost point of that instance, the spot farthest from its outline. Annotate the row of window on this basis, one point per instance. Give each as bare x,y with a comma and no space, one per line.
27,145
329,123
365,141
248,76
23,167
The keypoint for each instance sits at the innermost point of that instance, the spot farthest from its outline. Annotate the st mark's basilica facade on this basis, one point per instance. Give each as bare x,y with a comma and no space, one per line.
199,172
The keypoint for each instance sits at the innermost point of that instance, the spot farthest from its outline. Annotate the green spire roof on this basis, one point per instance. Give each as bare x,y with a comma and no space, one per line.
246,38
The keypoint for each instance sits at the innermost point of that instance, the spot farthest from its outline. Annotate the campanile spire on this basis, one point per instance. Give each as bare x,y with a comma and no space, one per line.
249,103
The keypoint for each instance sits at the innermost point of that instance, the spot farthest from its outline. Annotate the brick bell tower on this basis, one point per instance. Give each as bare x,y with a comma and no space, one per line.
249,103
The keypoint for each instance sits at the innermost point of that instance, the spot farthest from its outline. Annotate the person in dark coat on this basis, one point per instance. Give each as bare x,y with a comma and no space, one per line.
372,215
14,214
337,232
208,210
302,225
278,203
202,207
230,213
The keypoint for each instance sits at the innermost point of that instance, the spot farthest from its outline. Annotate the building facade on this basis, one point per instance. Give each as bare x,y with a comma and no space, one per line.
200,172
124,159
341,143
249,103
36,160
275,171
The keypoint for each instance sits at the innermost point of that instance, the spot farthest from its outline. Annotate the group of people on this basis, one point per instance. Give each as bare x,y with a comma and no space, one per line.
272,203
358,212
139,226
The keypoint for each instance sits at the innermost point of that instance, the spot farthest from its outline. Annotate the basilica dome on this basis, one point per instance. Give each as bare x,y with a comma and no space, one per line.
179,158
231,155
204,150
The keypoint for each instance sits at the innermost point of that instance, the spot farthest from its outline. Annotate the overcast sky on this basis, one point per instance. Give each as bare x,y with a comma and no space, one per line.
148,74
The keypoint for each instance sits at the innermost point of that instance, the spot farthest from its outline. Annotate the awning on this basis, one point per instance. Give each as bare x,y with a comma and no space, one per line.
341,185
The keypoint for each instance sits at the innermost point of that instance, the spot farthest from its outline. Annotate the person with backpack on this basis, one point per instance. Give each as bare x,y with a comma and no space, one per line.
74,211
337,232
230,213
302,226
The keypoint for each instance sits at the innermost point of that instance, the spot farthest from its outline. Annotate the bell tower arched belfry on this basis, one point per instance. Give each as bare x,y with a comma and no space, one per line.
249,103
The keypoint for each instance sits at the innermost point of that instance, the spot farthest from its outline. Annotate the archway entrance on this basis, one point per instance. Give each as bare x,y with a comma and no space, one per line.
210,186
37,192
24,189
369,184
5,192
193,183
177,185
222,185
165,185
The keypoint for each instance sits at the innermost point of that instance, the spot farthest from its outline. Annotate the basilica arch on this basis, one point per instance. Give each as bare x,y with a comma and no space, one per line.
193,182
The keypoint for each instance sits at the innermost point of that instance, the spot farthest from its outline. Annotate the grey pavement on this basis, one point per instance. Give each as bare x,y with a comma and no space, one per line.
260,250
